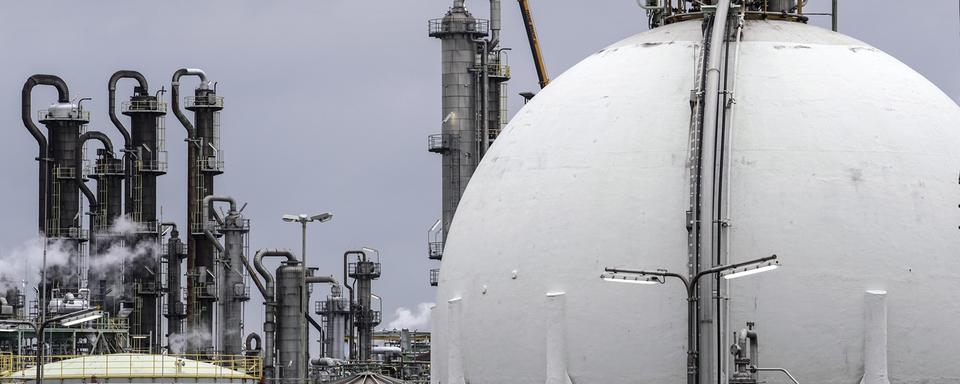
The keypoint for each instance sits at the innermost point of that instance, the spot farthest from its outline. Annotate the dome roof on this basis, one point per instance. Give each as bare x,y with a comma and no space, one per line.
368,378
843,161
132,365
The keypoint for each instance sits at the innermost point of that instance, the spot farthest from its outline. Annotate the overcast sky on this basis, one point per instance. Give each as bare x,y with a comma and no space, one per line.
329,102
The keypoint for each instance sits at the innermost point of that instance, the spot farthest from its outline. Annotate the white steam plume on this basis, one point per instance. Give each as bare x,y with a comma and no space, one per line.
418,318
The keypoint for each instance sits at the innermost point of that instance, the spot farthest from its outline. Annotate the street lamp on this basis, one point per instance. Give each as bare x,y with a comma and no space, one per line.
746,268
303,220
40,325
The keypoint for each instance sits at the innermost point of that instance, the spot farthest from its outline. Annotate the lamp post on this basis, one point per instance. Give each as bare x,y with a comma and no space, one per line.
40,325
303,220
746,268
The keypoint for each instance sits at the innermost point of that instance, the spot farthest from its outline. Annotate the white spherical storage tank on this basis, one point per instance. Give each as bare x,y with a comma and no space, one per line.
842,161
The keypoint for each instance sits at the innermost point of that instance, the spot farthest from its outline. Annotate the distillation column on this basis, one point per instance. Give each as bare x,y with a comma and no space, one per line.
364,271
231,274
59,195
204,162
175,309
459,140
145,155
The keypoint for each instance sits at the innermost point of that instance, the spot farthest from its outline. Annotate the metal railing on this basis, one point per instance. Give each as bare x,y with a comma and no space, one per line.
68,173
100,168
440,26
340,305
434,277
75,114
435,250
143,106
203,101
440,142
134,366
67,233
498,70
373,271
212,163
178,310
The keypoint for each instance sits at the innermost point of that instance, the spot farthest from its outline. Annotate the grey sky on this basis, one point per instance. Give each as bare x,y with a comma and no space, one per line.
328,103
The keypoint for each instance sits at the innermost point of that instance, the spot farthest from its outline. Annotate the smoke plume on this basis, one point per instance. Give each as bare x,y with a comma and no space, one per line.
416,319
22,264
182,343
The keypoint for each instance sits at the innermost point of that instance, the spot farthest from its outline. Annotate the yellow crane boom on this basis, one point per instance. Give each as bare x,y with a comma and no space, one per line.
534,43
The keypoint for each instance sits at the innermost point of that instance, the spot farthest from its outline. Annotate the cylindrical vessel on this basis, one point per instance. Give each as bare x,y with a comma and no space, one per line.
839,159
204,163
291,362
458,31
64,121
232,289
175,309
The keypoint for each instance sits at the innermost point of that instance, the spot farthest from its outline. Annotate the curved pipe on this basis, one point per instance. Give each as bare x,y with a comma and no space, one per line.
175,95
108,145
267,277
112,96
209,200
269,308
63,96
251,337
99,136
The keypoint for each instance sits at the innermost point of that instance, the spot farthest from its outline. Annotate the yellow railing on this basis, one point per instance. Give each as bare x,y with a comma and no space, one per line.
134,366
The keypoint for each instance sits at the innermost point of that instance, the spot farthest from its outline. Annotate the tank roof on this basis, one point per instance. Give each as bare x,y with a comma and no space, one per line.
368,378
133,365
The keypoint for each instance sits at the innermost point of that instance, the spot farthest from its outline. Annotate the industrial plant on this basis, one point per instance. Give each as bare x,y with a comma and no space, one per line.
730,140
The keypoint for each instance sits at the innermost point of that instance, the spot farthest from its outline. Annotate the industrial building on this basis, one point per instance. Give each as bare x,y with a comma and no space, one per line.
730,179
141,298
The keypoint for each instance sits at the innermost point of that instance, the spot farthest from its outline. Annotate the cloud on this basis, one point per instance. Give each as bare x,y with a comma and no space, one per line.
418,319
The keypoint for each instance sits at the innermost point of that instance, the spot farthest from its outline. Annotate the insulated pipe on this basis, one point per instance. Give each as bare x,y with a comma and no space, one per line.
270,315
494,25
711,168
322,280
209,200
99,136
175,95
108,145
112,95
253,336
63,96
91,197
386,350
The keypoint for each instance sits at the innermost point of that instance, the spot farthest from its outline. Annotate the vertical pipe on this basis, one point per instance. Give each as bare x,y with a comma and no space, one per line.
833,16
485,99
494,24
710,147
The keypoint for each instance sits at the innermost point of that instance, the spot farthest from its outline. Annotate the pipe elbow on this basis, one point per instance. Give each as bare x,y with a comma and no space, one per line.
322,280
99,136
63,92
128,74
189,72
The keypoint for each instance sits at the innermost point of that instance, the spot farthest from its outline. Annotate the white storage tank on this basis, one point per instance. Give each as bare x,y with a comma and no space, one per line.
132,368
843,161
